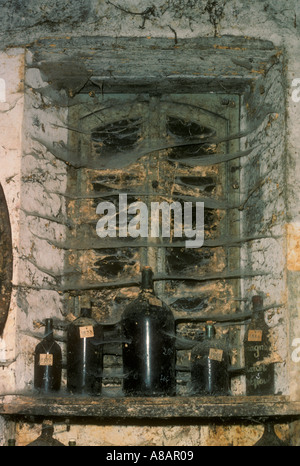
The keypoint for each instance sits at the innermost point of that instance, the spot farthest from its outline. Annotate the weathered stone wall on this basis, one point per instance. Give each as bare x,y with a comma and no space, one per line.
11,121
264,209
30,175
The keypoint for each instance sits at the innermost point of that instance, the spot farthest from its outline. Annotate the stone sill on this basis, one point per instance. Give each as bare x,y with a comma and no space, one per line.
143,408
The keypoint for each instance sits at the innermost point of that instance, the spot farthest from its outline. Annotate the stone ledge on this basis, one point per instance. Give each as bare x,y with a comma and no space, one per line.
230,407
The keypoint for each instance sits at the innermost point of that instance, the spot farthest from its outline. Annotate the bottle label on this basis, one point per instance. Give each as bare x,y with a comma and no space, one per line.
215,354
46,359
255,335
86,332
155,302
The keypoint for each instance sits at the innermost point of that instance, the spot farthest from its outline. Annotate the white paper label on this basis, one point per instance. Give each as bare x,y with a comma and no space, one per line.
86,332
255,335
46,359
215,354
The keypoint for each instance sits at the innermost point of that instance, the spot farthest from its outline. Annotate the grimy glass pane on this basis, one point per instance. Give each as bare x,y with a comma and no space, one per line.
154,149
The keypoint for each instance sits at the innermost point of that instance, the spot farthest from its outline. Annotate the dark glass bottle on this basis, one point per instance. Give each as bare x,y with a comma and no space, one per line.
11,442
149,352
47,362
259,372
85,355
46,438
269,438
209,365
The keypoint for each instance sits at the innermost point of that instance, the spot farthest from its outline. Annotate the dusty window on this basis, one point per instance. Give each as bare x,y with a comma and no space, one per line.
155,148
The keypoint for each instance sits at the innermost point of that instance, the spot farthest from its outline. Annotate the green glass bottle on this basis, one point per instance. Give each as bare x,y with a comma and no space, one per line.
209,365
85,354
257,350
149,352
47,362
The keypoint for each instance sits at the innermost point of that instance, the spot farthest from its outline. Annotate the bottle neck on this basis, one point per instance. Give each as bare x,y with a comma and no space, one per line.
86,312
147,279
48,329
257,308
209,331
269,428
47,430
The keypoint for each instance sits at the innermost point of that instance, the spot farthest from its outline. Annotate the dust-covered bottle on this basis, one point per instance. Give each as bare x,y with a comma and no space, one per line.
47,362
209,365
259,369
46,439
269,437
149,353
85,354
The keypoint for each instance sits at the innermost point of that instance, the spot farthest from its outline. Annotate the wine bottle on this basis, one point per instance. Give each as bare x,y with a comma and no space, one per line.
269,437
149,352
47,362
46,438
257,350
209,365
85,355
